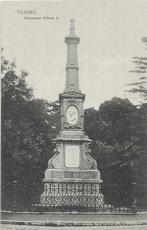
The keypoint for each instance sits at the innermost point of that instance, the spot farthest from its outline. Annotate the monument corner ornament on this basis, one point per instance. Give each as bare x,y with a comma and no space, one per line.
72,178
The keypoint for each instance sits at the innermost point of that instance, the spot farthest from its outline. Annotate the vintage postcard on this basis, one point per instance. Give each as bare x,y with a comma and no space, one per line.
74,113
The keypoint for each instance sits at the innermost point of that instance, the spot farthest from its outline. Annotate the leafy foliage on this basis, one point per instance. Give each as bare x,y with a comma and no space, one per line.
141,69
28,128
119,133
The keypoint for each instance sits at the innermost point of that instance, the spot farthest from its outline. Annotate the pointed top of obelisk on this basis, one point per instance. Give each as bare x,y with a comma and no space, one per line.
72,36
72,27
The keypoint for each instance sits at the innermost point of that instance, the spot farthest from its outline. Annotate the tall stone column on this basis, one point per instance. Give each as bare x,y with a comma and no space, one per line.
72,78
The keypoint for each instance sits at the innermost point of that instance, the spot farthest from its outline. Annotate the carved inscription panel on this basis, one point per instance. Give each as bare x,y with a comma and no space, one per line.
72,156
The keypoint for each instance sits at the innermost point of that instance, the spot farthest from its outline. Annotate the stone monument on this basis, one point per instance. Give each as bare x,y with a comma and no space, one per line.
72,178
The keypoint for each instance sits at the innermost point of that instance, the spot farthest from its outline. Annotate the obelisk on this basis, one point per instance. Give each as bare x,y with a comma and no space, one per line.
72,178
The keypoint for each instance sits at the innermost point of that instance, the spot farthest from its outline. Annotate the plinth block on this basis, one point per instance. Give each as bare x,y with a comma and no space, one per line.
74,174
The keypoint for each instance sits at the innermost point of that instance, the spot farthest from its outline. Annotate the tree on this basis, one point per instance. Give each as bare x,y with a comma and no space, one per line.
119,115
28,127
93,125
113,129
141,163
140,86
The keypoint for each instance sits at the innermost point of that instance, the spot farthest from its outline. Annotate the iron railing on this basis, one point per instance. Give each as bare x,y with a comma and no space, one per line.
113,198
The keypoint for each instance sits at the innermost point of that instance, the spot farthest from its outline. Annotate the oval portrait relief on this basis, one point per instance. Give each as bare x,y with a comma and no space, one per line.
72,115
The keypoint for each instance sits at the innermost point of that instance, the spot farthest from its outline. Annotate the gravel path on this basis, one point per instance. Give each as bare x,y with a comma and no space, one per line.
53,217
22,227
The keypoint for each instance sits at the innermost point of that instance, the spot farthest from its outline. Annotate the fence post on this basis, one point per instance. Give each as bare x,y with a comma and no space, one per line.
134,203
14,201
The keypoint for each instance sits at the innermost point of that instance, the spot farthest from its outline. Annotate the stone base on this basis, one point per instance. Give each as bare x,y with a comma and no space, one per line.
64,194
72,178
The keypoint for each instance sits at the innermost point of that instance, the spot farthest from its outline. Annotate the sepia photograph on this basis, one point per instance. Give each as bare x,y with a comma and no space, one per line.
74,115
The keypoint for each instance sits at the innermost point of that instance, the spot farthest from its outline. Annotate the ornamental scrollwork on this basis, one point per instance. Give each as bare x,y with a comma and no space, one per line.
89,163
55,161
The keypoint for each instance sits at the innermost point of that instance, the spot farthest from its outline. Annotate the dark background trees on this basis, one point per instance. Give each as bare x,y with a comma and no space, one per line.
140,87
113,147
119,133
28,128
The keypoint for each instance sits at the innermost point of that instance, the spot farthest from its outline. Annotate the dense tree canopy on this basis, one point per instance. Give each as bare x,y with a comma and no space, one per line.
28,128
119,133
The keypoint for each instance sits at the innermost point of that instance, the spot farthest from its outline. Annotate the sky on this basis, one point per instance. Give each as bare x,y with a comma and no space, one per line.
110,34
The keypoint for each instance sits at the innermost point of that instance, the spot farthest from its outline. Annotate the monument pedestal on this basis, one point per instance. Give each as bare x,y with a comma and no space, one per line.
72,179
